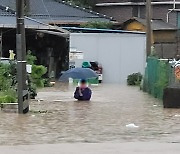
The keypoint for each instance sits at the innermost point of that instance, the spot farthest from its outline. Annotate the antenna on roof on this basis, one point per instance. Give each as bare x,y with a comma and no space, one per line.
7,8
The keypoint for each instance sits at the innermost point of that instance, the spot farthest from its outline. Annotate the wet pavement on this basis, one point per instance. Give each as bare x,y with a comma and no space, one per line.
94,148
110,117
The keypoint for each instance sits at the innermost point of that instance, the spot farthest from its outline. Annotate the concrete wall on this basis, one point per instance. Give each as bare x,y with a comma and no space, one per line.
120,54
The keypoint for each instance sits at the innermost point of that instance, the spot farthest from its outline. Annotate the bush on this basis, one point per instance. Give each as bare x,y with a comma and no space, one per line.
38,71
8,83
8,96
7,99
5,77
134,79
100,25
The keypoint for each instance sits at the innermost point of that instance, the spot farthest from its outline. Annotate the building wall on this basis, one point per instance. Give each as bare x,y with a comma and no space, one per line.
165,36
166,50
113,52
123,13
173,18
119,13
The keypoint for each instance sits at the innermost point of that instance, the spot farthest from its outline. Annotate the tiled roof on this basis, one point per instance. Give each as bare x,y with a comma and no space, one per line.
57,11
8,20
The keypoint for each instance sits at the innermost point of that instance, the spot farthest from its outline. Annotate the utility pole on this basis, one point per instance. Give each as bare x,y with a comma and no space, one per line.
148,27
1,39
21,57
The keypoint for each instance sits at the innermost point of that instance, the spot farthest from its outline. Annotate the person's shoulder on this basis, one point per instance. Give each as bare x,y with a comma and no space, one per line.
88,88
77,88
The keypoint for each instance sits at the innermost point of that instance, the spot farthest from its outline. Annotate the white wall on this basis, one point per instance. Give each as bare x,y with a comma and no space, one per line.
120,54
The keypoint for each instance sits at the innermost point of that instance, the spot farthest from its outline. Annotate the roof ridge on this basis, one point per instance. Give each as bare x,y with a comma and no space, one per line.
84,9
7,9
59,15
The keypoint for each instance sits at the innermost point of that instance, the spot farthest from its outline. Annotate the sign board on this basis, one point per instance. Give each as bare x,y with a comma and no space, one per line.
76,55
29,68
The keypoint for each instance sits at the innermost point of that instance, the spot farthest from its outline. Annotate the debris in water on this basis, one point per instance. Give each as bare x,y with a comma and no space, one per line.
177,115
132,126
57,101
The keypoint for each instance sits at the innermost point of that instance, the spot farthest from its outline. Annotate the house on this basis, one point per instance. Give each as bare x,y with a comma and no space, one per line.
57,12
122,10
164,35
49,43
44,37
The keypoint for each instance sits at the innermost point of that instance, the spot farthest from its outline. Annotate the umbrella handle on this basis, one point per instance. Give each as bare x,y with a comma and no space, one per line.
80,93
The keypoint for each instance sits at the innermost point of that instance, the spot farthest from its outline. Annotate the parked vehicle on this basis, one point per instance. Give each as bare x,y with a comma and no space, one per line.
96,67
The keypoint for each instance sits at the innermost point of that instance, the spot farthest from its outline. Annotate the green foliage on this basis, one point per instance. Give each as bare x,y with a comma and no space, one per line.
134,79
156,77
7,99
47,82
37,72
30,58
162,81
5,77
7,84
100,25
32,88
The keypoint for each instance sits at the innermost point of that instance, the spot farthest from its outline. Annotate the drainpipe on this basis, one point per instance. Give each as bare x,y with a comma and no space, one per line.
174,7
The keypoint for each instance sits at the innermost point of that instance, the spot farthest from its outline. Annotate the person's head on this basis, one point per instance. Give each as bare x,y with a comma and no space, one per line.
83,82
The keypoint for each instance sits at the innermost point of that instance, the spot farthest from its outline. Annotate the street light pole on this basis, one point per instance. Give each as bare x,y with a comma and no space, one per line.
148,27
21,55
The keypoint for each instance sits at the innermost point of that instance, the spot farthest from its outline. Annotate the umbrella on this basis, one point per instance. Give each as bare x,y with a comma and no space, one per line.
78,73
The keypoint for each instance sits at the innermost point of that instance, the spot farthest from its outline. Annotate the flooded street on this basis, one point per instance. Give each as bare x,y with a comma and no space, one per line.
105,119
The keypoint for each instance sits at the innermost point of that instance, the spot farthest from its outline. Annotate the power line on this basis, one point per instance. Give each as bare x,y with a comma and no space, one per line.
48,12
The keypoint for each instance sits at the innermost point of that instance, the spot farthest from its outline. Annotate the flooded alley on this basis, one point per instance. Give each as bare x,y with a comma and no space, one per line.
56,117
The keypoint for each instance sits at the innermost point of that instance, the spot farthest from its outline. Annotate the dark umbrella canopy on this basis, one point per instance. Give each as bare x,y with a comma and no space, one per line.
78,73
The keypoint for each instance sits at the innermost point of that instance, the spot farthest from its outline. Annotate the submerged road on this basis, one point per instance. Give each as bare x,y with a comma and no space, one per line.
117,118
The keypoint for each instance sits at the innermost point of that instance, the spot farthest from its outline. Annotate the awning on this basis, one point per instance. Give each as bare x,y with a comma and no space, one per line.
65,35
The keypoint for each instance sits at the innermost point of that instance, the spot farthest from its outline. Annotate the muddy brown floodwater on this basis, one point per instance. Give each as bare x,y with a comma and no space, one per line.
104,119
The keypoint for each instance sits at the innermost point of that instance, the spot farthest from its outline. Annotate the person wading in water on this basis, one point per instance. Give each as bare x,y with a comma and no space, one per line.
83,92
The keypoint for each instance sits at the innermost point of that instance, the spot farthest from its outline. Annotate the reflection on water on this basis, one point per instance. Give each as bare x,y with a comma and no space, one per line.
104,119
